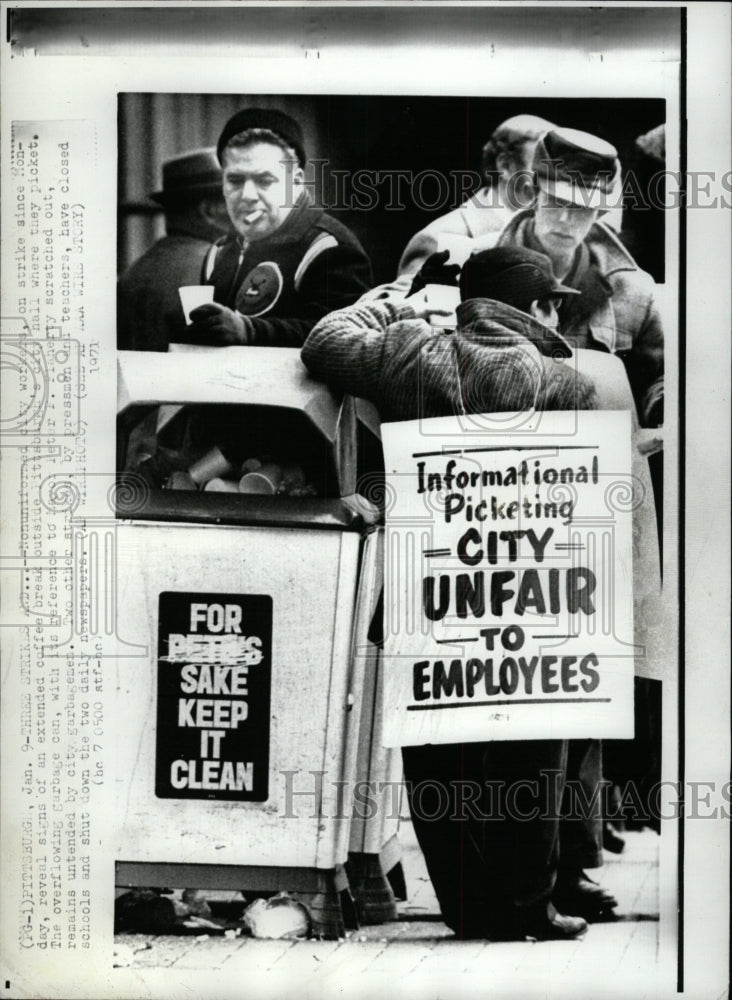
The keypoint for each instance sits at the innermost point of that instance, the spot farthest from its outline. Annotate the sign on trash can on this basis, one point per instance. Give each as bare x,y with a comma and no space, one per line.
214,678
509,579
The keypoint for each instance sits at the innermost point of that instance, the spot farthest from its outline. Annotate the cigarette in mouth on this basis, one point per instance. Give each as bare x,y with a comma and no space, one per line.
253,216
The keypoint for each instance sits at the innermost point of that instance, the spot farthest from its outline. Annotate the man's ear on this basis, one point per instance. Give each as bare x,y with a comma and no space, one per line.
298,175
213,212
206,210
535,309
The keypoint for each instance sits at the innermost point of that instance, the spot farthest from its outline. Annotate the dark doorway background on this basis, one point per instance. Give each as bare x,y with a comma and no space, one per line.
373,133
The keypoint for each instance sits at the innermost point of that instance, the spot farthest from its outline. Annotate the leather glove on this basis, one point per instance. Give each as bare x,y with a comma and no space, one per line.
219,326
435,271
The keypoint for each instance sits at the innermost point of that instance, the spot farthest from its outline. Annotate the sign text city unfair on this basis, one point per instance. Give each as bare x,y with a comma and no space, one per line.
508,598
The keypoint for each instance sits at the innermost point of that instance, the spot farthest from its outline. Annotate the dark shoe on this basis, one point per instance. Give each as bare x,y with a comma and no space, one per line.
539,923
546,924
576,893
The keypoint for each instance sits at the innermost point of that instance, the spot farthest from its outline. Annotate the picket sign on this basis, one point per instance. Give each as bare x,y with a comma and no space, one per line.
509,578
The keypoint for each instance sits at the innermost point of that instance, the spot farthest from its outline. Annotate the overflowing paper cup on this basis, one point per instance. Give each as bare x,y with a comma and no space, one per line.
264,480
192,296
213,463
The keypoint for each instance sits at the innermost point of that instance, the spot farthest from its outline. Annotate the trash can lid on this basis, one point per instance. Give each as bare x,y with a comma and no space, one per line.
250,376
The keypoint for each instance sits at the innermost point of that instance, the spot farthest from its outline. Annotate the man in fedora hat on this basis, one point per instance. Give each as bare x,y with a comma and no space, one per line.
284,263
149,314
577,180
493,879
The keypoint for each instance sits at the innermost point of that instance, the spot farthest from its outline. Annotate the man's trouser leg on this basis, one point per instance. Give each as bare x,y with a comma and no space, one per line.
491,852
581,825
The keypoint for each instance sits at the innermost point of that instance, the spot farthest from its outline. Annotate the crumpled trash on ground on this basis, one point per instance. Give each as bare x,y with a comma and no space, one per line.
148,911
152,911
280,917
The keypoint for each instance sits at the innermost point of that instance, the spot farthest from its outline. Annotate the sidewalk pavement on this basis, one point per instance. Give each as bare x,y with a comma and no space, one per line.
418,956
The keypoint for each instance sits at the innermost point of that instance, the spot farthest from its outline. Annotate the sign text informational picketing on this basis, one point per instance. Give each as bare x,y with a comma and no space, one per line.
509,581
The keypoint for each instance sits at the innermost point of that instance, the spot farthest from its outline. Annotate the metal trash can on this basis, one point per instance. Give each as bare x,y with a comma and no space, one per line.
374,861
238,719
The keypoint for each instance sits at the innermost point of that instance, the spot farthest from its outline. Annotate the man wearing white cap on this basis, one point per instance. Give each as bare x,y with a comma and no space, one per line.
506,163
577,180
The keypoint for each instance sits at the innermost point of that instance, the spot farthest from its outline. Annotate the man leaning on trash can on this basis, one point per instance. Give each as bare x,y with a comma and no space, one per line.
285,263
493,879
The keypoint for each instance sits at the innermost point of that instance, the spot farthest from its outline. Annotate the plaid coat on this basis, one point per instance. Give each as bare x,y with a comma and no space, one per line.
496,360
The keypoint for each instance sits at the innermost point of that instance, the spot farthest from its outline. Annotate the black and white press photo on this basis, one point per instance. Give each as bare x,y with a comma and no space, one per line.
361,367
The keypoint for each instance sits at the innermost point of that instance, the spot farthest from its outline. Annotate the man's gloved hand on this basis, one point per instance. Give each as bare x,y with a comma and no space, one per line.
218,326
436,271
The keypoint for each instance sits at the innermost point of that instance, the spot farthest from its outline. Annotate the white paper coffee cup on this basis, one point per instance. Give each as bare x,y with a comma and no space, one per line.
192,296
443,297
181,481
213,463
265,480
250,465
217,485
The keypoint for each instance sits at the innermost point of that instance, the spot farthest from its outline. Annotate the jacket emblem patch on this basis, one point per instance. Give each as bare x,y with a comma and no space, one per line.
260,289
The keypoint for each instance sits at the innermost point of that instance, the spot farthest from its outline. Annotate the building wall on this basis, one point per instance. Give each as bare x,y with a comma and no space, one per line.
398,138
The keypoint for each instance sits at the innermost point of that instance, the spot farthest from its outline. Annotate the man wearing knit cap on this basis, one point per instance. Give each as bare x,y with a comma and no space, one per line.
493,879
506,163
149,314
577,180
284,263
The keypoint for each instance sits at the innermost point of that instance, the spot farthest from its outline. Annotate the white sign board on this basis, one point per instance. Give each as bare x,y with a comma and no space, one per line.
509,579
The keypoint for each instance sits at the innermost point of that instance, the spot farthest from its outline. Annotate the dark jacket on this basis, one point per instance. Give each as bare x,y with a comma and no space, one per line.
378,350
287,281
149,313
616,311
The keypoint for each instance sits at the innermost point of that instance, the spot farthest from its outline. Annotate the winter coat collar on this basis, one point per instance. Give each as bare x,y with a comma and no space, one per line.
601,257
606,250
496,324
